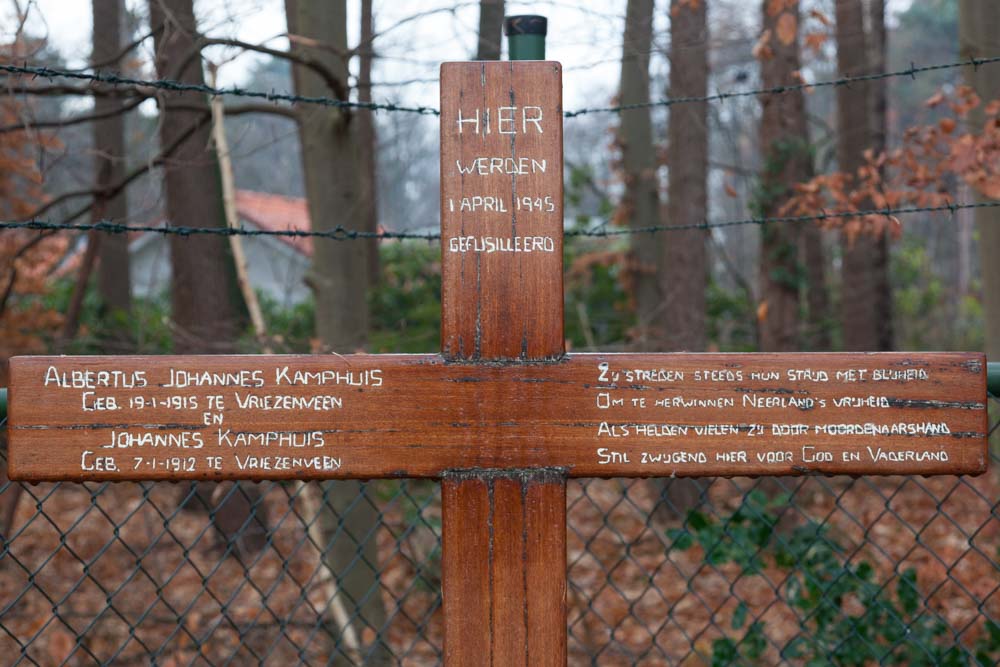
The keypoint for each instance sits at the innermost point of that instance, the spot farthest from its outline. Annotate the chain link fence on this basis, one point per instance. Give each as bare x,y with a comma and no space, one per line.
802,571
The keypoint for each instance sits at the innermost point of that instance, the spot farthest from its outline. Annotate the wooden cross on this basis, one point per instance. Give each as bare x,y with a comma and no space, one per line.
503,416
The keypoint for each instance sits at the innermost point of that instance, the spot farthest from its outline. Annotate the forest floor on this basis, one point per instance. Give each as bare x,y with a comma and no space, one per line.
114,573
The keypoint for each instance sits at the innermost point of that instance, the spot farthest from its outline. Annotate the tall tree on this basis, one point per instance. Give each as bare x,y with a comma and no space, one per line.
203,290
490,29
329,141
339,277
641,202
204,294
683,270
113,275
784,141
865,308
368,140
979,37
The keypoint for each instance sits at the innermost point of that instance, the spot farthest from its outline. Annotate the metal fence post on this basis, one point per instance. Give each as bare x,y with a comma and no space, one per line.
525,37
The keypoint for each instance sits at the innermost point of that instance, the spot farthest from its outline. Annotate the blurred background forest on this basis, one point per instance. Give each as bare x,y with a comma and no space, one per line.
87,151
262,176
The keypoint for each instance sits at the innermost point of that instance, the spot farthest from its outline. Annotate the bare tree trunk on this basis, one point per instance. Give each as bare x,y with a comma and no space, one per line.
642,197
683,269
784,141
113,276
879,131
682,272
339,276
819,318
203,292
368,141
863,303
490,29
332,173
979,37
204,295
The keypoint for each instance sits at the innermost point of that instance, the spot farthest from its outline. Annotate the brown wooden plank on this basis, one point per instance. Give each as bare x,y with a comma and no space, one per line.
466,579
418,416
545,557
503,568
501,210
508,571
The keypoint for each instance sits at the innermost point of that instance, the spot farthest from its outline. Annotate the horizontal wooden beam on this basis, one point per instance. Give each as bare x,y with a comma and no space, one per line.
590,415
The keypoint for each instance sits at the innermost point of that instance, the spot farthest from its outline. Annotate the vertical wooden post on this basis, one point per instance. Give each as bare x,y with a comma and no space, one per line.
504,568
504,543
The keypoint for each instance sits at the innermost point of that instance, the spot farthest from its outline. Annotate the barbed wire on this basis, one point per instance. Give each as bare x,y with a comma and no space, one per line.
911,72
176,86
107,226
602,230
234,91
340,233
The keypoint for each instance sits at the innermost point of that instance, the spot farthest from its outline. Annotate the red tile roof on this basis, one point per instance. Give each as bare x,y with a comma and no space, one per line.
276,213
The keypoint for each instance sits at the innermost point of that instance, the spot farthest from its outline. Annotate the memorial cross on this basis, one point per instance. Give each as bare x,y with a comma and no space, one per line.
503,416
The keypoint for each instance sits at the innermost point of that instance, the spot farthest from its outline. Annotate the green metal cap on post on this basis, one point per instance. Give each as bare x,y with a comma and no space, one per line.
993,378
526,37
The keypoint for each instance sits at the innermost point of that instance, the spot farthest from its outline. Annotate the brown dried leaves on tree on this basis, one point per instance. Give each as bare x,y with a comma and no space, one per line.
919,173
27,258
787,28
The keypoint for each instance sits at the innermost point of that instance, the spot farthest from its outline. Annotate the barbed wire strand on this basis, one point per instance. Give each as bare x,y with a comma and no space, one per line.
176,86
343,234
234,91
912,71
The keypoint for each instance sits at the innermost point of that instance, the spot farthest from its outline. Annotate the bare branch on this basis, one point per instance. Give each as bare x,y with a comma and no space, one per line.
118,56
311,43
338,87
73,120
413,17
241,109
12,278
272,109
58,90
114,189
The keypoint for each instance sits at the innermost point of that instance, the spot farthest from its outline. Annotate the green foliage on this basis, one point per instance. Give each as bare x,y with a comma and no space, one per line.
289,329
731,319
599,312
925,312
406,304
773,186
846,616
145,330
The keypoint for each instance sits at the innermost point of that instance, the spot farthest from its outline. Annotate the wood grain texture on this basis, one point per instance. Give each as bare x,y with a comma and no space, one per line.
545,561
501,232
503,566
604,415
466,576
